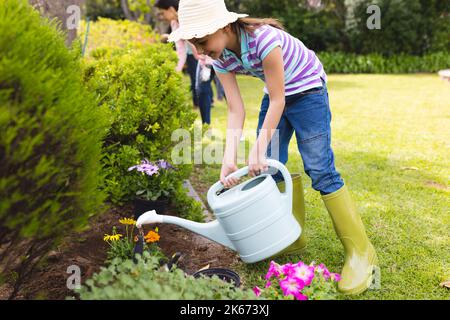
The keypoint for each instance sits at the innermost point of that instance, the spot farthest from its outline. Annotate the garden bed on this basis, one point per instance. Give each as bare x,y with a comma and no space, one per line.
88,251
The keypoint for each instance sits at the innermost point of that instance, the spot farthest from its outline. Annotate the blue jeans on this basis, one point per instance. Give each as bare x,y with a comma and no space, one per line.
205,96
192,69
308,115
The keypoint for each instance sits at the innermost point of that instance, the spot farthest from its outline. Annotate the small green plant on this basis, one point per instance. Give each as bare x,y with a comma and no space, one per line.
154,181
122,247
144,280
298,281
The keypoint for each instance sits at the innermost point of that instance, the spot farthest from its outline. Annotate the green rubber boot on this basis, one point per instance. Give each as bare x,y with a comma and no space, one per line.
298,210
360,255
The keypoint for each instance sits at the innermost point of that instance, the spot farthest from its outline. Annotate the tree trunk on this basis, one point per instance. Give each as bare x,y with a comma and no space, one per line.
58,9
126,10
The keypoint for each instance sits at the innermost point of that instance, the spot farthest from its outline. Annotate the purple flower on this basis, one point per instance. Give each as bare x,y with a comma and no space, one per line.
146,167
257,291
163,164
291,286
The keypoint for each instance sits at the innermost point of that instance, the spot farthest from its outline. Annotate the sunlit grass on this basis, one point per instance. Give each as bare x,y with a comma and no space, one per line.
391,138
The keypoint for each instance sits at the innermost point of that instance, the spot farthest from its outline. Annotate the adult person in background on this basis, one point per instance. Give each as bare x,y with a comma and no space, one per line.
168,12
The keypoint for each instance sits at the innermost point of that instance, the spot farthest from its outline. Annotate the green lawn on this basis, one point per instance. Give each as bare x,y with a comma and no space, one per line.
391,141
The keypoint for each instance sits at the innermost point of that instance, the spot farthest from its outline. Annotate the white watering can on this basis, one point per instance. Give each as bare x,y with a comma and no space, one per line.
253,218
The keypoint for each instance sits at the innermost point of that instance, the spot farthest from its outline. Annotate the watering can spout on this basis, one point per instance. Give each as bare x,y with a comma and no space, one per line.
211,230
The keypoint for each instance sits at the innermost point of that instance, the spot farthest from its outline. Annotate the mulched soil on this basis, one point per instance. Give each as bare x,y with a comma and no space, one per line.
88,251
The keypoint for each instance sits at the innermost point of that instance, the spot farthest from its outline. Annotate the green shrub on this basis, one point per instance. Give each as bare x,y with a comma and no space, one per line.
51,133
124,280
147,101
338,62
106,34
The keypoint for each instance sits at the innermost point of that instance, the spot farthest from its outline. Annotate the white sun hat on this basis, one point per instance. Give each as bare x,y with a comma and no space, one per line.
198,18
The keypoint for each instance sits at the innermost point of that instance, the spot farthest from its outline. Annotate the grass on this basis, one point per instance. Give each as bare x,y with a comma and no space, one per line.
390,138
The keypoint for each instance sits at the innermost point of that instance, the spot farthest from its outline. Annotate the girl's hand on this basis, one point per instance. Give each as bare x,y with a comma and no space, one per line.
164,38
257,163
226,170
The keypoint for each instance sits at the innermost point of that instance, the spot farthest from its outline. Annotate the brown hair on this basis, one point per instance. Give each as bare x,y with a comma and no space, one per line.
251,24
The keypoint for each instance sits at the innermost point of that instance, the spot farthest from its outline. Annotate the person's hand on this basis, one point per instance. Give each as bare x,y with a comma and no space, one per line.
226,170
257,163
164,38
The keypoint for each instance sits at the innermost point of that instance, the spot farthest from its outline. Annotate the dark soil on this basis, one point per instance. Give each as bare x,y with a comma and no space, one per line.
88,251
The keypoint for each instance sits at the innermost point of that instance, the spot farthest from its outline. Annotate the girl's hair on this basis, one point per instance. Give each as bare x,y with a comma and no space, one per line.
251,24
166,4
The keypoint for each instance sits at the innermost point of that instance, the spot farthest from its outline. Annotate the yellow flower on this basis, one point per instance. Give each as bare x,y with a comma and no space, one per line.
114,237
152,236
129,221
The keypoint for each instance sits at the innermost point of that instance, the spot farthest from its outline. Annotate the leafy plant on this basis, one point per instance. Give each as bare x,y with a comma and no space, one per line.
298,281
123,279
152,184
122,247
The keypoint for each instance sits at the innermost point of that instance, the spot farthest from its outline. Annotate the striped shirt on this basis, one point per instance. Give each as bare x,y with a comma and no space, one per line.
302,68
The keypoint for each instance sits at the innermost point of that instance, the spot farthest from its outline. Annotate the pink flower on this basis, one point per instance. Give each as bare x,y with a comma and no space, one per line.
288,269
324,271
336,277
268,284
257,291
303,272
291,285
300,296
274,270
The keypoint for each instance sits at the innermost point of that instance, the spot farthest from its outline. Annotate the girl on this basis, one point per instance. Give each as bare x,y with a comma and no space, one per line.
295,100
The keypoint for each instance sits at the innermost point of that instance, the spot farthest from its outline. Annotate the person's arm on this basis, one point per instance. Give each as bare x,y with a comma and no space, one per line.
236,117
274,75
181,53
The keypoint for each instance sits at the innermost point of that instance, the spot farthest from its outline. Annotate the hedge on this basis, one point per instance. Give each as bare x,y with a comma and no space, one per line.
50,141
147,101
107,34
338,62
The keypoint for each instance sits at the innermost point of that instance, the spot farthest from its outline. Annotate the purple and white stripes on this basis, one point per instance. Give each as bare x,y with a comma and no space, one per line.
302,68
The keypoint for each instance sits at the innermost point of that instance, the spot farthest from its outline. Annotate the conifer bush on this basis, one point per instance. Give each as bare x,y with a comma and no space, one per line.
51,135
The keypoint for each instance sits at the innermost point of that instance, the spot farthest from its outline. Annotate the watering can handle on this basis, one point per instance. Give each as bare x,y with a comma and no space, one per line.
244,171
